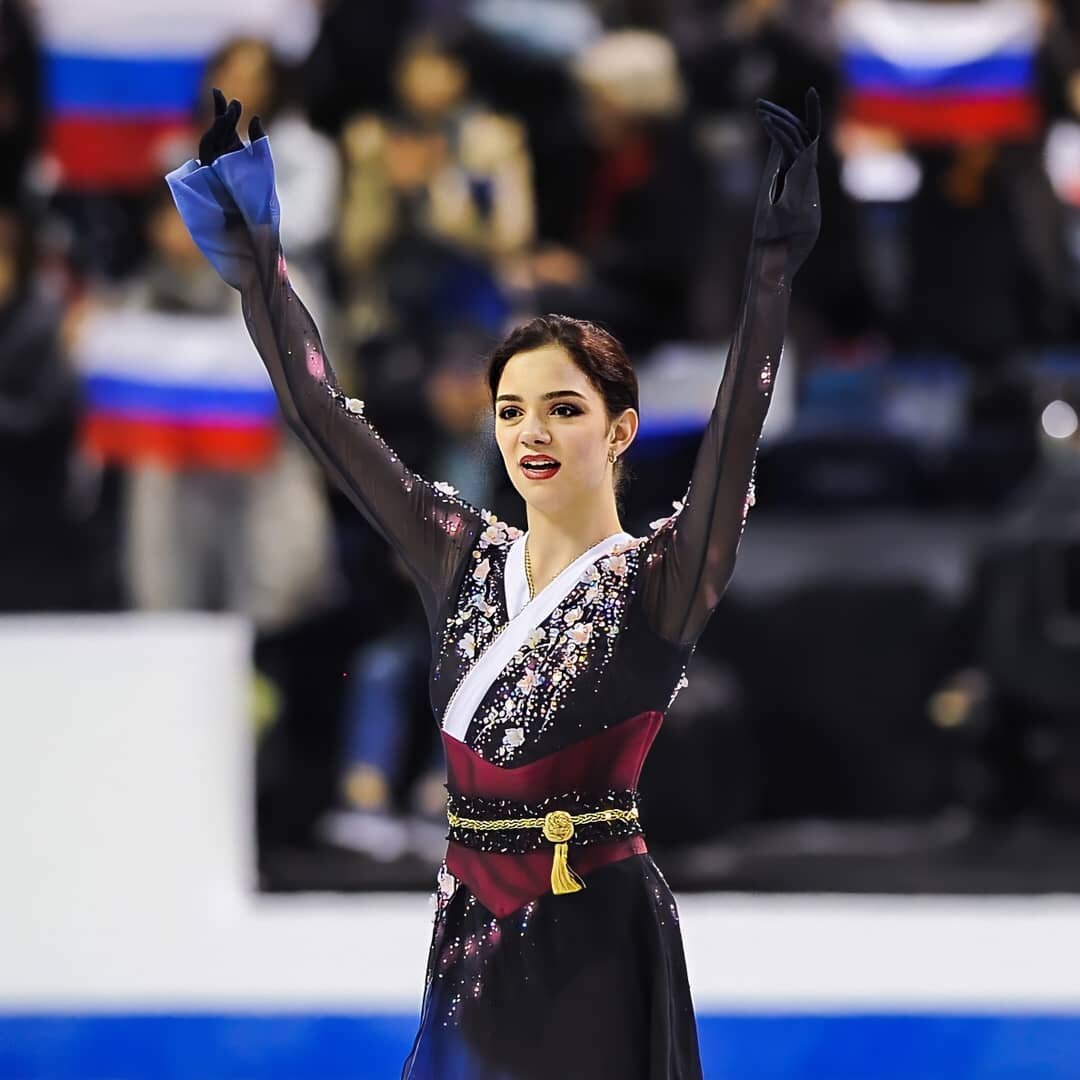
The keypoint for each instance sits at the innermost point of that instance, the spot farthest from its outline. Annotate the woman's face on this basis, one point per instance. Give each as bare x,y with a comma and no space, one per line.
545,405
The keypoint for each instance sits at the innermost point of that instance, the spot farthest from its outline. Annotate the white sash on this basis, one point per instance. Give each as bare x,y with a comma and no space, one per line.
524,615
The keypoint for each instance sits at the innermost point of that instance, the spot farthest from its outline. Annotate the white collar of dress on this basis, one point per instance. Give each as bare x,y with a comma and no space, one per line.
517,584
523,615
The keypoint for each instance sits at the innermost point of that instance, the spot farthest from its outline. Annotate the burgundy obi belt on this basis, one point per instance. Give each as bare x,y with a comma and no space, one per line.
517,833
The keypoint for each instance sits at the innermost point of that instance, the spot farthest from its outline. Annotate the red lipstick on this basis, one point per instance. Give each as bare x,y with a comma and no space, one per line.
538,466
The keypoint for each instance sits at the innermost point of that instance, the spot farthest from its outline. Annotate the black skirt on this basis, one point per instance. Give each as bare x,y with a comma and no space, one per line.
588,985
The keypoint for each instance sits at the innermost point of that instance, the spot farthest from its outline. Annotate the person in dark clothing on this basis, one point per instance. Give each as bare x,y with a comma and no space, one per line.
20,96
733,53
630,255
351,64
41,562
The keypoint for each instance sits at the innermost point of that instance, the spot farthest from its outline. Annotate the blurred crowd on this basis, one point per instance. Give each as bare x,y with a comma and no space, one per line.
447,168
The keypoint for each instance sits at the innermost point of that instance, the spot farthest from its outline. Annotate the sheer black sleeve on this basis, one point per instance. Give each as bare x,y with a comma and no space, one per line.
231,210
690,557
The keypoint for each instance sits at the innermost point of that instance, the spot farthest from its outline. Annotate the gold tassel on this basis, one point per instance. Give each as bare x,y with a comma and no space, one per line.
558,828
563,879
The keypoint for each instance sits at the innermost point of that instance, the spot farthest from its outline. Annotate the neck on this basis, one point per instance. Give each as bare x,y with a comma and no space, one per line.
555,541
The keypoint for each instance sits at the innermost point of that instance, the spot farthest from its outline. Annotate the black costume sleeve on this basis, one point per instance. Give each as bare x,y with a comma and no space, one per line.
691,556
231,209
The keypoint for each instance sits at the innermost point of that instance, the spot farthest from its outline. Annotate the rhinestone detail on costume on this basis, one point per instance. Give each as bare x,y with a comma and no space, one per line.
479,616
577,637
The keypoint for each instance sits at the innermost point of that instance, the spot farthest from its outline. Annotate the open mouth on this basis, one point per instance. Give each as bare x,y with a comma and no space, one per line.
540,470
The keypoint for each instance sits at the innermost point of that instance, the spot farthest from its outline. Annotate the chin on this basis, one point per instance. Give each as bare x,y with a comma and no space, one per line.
567,504
543,500
543,497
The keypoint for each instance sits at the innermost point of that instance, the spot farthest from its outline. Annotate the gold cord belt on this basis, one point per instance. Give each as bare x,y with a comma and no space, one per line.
526,832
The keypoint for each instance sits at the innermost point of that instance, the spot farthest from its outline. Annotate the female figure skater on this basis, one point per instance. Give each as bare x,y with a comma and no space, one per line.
556,949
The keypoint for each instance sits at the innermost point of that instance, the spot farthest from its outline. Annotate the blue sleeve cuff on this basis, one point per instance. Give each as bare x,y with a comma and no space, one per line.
217,201
248,174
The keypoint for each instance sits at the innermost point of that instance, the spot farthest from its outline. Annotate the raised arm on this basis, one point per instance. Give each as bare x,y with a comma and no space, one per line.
692,555
229,204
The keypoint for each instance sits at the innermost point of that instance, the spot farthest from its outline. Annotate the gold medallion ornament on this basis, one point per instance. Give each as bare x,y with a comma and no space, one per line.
559,828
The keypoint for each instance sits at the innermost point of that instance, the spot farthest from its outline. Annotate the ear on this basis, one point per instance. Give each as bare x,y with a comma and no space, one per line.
624,430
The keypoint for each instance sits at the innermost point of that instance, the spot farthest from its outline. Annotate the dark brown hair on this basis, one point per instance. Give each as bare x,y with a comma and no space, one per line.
597,353
601,358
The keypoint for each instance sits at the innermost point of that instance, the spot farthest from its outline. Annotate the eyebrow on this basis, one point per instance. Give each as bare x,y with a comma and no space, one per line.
546,397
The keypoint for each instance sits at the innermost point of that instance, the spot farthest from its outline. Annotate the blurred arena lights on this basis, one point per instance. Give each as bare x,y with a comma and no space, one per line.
1059,420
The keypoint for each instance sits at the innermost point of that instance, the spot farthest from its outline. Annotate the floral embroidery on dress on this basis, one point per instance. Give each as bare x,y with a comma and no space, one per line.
751,497
450,521
354,406
681,685
765,377
570,649
497,532
473,625
445,885
467,645
666,522
616,564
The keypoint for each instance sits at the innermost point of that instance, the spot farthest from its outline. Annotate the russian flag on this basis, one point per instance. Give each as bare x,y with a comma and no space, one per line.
122,81
181,389
943,73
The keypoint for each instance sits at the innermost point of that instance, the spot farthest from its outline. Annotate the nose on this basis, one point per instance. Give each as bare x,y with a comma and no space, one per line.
535,434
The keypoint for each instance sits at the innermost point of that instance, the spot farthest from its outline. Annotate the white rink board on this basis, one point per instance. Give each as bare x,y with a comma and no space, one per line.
126,837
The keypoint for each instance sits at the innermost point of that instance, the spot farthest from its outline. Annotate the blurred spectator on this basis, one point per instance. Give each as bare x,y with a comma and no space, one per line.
20,96
224,510
386,714
438,210
382,722
733,54
1014,705
438,201
437,213
46,559
119,100
965,88
350,67
122,91
519,59
632,252
306,164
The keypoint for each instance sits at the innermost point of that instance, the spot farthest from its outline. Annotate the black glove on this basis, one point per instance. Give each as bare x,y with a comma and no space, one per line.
788,132
220,137
791,211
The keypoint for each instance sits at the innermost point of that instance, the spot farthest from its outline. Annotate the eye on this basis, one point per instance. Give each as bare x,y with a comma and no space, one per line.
574,410
504,411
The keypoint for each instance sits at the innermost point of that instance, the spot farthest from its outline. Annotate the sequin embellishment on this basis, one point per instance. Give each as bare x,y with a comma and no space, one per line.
570,649
477,620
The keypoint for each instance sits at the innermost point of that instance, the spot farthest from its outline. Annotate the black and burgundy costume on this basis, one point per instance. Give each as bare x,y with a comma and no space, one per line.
523,981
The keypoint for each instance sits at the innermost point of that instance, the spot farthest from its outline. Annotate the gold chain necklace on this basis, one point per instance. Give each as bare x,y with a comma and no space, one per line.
528,566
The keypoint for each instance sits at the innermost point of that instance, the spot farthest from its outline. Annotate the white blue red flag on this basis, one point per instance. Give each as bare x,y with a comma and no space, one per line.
122,78
943,72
